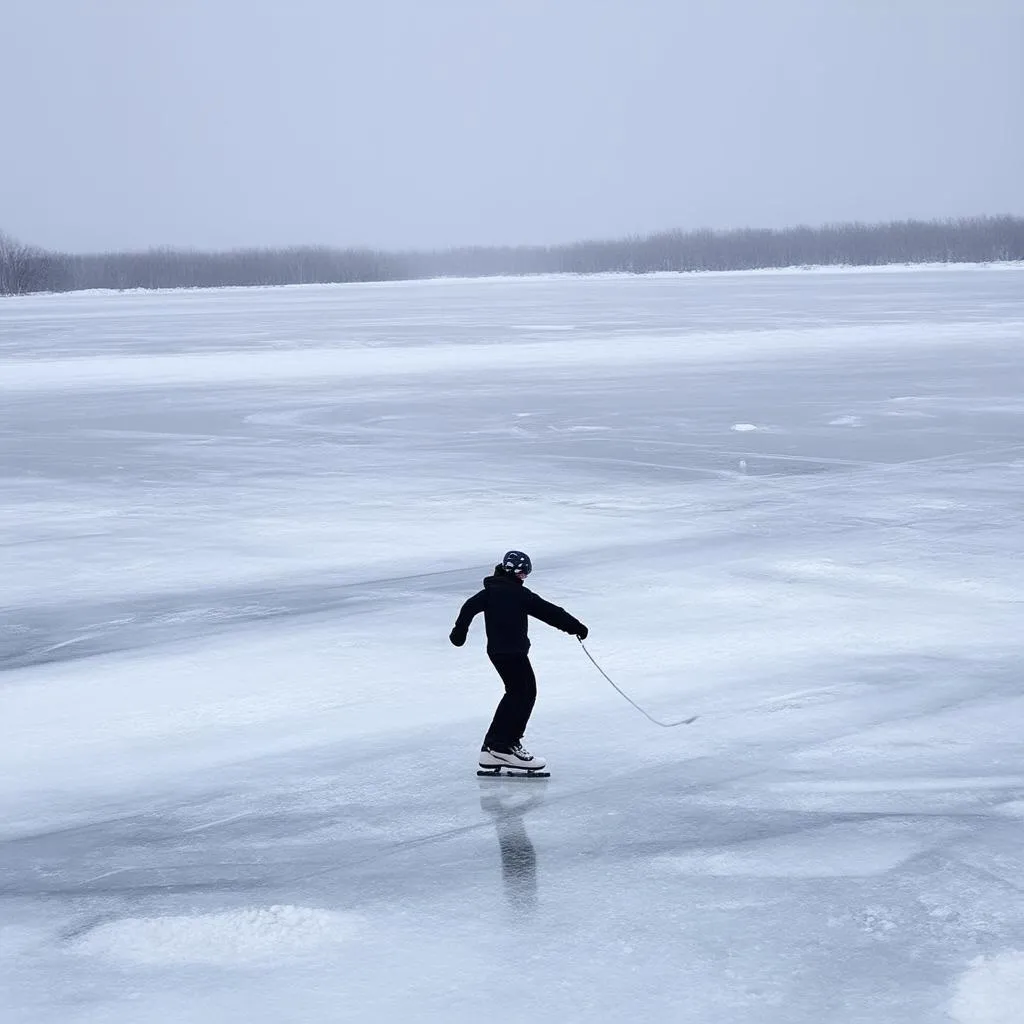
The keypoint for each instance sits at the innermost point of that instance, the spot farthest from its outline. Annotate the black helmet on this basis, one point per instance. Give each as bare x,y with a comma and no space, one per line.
517,562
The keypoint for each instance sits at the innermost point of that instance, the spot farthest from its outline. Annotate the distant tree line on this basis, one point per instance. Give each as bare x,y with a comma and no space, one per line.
24,268
967,240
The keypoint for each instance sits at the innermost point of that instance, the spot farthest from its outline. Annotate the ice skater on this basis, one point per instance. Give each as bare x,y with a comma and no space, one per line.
507,605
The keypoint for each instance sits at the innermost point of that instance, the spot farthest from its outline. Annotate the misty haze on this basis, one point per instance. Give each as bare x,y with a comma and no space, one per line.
399,125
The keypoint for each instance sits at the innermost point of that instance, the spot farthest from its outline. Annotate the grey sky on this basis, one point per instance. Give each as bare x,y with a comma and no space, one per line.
214,123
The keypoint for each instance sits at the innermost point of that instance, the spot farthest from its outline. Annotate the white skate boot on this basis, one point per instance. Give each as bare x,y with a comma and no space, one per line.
517,757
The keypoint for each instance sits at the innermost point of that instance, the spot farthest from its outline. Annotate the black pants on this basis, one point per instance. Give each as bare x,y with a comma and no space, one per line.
515,707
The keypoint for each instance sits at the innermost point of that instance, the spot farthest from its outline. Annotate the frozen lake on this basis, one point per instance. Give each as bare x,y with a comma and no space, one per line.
237,751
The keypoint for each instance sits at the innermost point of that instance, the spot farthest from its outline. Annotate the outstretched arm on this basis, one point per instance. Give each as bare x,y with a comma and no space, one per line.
555,616
473,607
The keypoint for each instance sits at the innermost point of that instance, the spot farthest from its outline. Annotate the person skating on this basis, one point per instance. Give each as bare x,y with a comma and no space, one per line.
507,605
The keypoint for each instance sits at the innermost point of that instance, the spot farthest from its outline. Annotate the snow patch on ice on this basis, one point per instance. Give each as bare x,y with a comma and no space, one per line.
234,937
913,784
743,427
991,991
840,851
846,421
544,327
903,401
1012,809
827,569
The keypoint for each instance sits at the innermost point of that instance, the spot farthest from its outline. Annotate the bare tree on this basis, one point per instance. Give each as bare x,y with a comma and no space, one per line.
22,267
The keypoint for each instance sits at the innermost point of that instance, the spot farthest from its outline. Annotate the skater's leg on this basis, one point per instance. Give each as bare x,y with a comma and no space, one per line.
527,697
515,707
500,733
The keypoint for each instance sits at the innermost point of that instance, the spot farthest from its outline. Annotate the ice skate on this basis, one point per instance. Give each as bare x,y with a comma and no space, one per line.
512,760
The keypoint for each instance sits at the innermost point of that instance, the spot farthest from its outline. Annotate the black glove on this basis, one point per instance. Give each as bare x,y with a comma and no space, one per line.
457,638
582,632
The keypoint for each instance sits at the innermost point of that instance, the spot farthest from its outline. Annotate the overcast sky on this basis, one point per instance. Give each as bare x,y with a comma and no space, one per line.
419,123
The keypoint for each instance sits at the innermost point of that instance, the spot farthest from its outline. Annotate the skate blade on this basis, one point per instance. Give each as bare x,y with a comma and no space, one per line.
508,772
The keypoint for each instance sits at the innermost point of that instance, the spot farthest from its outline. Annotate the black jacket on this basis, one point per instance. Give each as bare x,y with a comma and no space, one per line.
506,604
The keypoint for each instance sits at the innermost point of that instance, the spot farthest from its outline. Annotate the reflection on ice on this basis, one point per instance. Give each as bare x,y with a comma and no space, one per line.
507,802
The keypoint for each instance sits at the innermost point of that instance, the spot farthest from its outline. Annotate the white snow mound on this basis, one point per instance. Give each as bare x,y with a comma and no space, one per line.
991,991
743,427
233,937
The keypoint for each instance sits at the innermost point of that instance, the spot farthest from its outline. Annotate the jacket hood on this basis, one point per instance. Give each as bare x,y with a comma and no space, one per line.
500,578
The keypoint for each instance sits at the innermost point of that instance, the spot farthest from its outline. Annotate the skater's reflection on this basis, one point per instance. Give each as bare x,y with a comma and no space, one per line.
508,801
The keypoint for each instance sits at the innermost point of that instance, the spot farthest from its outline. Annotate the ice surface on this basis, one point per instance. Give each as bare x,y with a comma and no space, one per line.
237,759
991,990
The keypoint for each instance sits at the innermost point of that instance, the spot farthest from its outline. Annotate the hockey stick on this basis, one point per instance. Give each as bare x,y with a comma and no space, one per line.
664,725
